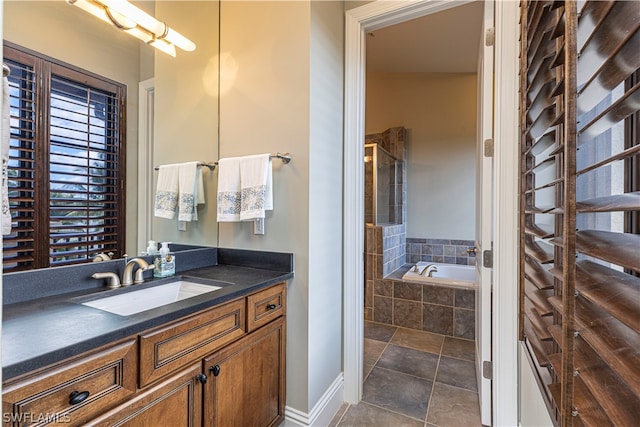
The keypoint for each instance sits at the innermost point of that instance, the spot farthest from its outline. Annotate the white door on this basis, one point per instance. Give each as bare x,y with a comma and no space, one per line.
484,217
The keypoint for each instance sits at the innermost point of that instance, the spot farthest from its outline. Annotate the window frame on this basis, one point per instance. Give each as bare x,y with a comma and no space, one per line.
44,67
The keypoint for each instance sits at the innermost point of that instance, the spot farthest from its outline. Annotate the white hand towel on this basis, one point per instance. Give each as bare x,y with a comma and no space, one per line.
5,138
190,191
229,189
256,184
167,192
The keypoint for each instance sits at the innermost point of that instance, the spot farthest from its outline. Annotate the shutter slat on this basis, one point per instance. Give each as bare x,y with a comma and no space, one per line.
619,202
617,112
625,154
589,410
556,333
547,140
538,230
618,248
540,349
538,324
538,275
539,299
613,72
543,255
616,344
606,39
606,387
615,292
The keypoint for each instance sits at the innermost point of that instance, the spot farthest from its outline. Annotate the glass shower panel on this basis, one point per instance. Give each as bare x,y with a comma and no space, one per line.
369,187
382,200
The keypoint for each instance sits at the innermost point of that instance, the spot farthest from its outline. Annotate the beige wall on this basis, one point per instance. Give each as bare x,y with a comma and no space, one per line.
282,72
73,36
439,112
186,112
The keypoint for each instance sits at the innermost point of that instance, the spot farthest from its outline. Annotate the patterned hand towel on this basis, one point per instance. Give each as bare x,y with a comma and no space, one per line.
256,185
190,191
167,192
229,189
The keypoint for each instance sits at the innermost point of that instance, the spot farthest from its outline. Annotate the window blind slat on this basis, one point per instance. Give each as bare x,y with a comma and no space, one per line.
618,248
606,39
615,344
589,410
621,202
537,275
615,292
616,399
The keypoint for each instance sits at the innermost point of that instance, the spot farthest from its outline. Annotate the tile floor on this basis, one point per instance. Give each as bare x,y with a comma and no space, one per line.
414,378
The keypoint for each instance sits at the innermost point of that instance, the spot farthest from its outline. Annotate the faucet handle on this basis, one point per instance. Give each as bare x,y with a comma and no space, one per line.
114,280
140,273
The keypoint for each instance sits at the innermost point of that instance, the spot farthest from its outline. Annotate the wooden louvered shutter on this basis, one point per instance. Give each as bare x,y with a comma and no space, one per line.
580,204
66,166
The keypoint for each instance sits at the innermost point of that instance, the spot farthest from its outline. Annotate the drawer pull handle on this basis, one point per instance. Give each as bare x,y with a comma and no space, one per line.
271,306
202,378
215,370
77,397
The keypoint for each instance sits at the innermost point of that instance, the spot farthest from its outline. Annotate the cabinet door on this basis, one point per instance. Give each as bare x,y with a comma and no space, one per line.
245,386
176,402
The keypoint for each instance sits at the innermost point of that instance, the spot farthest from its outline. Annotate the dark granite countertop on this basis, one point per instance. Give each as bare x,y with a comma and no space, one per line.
42,331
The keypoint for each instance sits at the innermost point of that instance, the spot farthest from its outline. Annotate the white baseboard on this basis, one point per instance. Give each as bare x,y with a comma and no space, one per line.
323,411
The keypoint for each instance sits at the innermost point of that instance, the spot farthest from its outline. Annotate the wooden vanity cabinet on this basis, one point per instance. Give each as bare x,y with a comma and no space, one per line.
224,366
245,385
177,401
74,391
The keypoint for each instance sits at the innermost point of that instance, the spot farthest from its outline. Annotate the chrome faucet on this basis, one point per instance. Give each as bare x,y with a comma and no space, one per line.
429,270
127,275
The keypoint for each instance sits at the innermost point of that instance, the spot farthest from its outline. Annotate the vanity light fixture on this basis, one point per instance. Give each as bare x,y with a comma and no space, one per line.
130,19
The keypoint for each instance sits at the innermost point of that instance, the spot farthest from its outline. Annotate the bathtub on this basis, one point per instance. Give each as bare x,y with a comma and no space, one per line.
459,276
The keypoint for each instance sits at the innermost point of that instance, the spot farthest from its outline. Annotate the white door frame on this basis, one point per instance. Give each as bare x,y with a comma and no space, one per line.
378,15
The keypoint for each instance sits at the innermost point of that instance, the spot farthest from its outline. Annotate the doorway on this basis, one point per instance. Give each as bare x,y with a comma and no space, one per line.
358,22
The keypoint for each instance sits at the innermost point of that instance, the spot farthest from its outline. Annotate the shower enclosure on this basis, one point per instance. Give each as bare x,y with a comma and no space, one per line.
383,187
385,231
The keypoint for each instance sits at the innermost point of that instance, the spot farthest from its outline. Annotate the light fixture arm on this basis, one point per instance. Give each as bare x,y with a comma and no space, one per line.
133,20
115,22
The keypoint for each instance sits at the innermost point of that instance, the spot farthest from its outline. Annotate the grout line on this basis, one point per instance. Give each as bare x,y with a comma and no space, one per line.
392,411
433,387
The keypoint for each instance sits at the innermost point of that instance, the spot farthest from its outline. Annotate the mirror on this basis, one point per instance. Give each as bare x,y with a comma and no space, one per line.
181,121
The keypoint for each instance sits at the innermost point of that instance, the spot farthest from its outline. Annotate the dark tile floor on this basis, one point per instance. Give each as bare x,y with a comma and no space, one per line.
414,378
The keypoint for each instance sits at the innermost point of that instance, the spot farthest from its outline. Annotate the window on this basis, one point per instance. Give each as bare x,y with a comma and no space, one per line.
580,201
66,163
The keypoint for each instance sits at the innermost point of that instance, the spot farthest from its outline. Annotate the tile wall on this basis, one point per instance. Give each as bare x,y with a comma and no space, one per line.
385,253
440,250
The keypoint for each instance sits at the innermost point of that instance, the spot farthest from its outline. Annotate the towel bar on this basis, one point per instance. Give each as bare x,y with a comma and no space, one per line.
286,158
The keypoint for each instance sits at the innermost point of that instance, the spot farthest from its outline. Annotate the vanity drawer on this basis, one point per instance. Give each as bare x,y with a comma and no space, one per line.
72,392
168,348
265,306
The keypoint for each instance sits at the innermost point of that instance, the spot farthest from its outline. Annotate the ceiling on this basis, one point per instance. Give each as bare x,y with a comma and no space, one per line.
443,42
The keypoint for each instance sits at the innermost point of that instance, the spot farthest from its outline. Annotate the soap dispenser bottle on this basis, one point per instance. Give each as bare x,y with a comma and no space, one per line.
165,262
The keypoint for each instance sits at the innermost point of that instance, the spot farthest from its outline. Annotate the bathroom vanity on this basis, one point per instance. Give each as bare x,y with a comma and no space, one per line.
216,359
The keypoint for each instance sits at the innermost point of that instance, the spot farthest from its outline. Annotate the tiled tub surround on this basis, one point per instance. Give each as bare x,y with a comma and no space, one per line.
440,250
385,253
433,308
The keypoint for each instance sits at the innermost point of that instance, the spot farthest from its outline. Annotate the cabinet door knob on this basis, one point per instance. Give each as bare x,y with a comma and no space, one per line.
77,397
271,306
202,378
215,370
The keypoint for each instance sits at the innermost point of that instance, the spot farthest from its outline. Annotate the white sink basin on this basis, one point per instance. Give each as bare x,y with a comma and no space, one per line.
145,299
